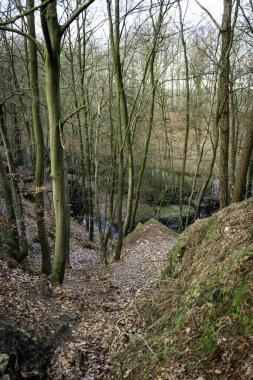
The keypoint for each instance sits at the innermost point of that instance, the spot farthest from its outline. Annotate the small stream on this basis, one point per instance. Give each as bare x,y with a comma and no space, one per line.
105,225
208,207
170,219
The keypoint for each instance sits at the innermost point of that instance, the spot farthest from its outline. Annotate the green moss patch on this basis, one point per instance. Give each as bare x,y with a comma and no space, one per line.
174,255
172,210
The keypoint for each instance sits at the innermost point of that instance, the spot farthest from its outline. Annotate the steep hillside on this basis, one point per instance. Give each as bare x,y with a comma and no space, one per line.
199,323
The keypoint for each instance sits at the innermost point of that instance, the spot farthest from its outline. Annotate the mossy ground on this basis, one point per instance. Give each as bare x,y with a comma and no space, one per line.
202,314
172,210
146,212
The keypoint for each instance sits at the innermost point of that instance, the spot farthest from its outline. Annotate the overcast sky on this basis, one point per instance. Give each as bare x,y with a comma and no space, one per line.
215,7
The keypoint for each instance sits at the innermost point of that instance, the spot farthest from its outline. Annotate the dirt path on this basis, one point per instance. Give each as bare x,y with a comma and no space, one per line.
106,294
86,316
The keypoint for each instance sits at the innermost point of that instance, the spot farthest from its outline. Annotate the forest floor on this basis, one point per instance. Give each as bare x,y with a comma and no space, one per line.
82,323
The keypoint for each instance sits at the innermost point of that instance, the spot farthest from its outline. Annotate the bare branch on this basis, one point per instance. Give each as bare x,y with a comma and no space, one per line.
26,35
246,19
12,20
66,118
210,15
2,101
75,15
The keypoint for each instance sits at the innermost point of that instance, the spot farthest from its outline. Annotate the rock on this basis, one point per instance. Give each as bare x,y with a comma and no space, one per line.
4,360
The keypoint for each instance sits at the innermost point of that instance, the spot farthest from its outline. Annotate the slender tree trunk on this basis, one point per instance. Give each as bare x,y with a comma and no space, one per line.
58,169
223,103
102,232
201,153
14,181
114,41
51,33
149,67
214,141
76,102
130,194
12,228
233,140
88,202
241,176
145,153
250,178
16,118
187,123
39,143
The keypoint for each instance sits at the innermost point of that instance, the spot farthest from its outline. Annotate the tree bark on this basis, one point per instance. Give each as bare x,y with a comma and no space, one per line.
52,37
12,228
187,123
114,41
39,144
223,103
14,180
239,192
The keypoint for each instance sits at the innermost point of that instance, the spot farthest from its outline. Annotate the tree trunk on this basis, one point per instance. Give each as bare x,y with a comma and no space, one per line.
250,179
187,123
52,36
14,181
12,228
39,143
146,147
223,103
58,169
114,41
239,192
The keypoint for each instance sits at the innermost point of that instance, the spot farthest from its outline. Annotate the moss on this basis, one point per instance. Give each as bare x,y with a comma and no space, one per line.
207,344
165,353
176,320
250,228
88,244
151,221
195,293
230,304
127,239
235,256
139,226
246,324
172,210
174,255
180,320
188,363
211,230
240,295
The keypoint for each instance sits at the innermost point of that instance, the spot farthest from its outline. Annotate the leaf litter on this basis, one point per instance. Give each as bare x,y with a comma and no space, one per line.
83,319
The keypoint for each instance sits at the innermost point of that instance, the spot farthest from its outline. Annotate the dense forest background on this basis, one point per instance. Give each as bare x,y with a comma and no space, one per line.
118,111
